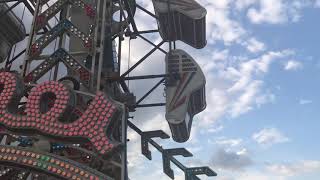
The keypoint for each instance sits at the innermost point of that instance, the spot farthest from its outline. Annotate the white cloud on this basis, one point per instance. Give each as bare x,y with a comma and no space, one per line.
235,83
293,65
275,11
231,160
269,136
304,101
284,171
271,11
257,176
241,4
215,129
254,46
296,168
135,157
248,88
228,142
244,103
265,98
220,25
251,68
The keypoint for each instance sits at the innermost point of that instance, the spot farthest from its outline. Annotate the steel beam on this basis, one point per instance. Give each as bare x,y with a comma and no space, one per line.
147,40
148,31
150,105
7,67
124,126
142,59
10,8
130,16
6,1
17,56
124,86
145,77
100,62
157,146
150,91
146,11
190,173
31,10
39,33
96,49
32,37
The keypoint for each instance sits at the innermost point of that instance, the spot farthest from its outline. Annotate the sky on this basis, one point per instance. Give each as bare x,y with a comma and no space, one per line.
261,120
261,66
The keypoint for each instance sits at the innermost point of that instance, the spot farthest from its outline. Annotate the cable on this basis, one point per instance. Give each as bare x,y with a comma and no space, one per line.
129,57
22,16
55,46
169,24
15,46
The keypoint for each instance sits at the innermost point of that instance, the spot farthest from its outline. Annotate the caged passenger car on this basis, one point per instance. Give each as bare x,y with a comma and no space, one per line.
185,93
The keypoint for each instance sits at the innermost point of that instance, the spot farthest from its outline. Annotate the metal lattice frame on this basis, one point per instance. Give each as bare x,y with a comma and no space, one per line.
34,7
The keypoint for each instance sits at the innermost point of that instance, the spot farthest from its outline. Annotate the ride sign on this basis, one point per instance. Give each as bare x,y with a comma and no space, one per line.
95,124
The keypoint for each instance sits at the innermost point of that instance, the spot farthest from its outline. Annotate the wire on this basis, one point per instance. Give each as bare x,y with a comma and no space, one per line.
169,24
15,46
24,9
55,46
129,58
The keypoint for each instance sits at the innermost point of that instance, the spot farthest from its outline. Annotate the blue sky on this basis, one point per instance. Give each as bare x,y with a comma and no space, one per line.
262,65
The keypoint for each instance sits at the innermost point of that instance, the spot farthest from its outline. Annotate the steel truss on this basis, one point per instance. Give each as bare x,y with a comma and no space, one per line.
132,31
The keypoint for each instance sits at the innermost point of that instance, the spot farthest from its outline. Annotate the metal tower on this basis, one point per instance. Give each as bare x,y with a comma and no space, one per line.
64,113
